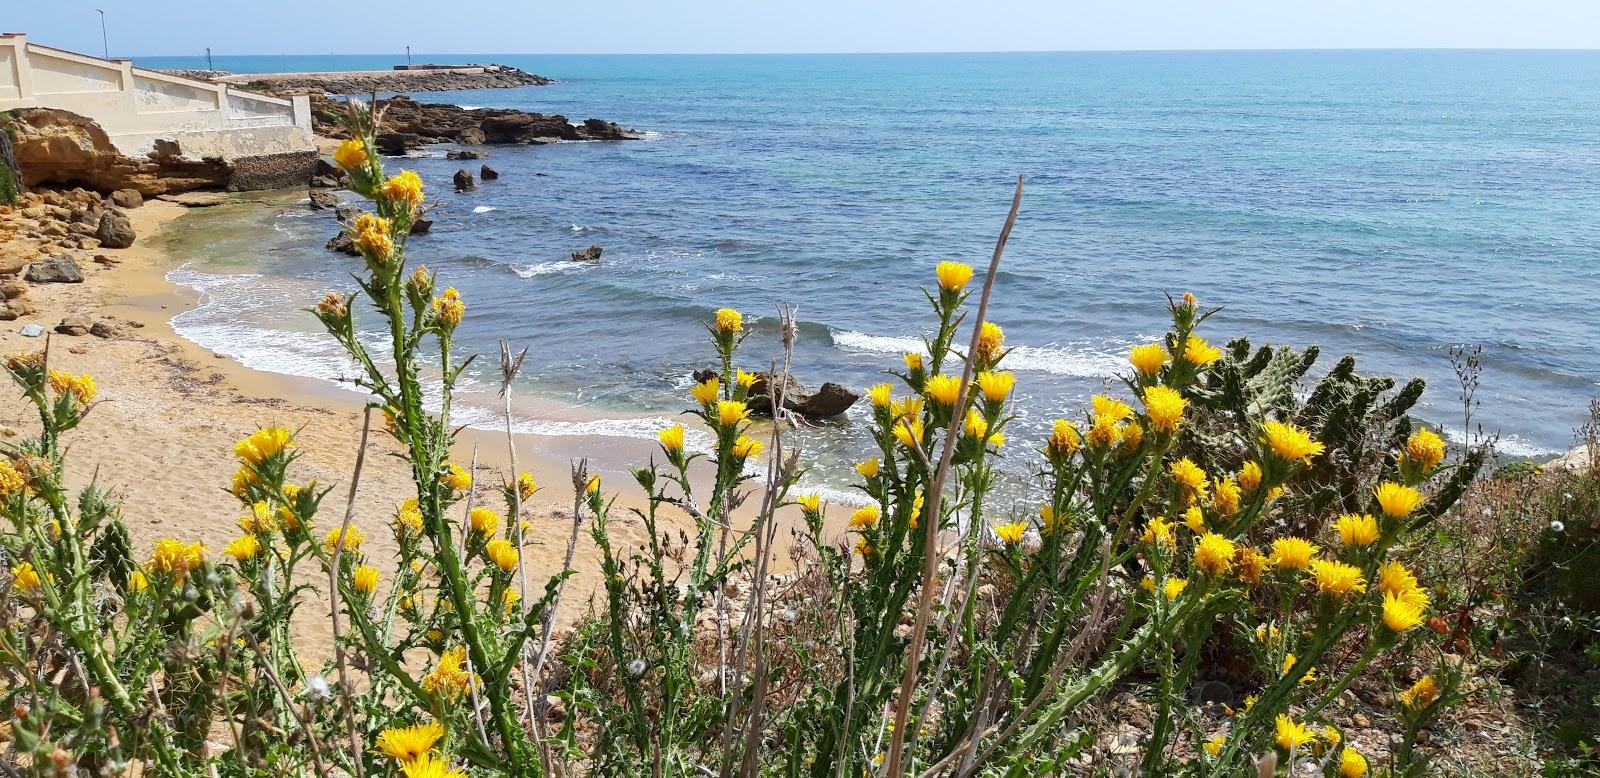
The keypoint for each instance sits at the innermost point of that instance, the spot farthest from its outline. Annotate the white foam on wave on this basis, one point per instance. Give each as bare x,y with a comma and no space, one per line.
548,268
484,209
215,324
883,344
1079,361
1509,444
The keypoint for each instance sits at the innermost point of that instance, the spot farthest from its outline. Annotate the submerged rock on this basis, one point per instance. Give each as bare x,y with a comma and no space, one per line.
468,154
591,254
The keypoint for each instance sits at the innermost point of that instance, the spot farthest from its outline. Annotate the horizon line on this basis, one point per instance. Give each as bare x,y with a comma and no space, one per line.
1198,50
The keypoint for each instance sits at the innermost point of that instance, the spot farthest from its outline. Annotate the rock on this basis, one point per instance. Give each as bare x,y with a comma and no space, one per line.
198,199
12,264
103,329
346,213
6,314
115,230
471,136
74,325
325,182
1578,459
343,244
322,201
488,173
127,198
591,254
396,144
59,269
828,401
106,259
464,182
19,307
322,168
421,225
13,288
466,154
53,145
32,331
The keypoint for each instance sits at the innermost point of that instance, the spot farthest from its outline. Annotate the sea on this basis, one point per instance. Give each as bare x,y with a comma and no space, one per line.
1393,205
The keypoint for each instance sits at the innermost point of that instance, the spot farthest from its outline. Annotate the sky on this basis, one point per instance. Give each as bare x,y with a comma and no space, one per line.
167,27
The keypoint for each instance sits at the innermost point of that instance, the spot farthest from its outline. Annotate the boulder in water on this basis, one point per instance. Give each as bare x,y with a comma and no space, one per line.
488,173
827,401
591,254
463,181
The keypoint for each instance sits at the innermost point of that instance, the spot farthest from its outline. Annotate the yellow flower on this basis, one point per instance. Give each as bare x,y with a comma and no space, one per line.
1214,744
1148,584
809,502
996,386
1288,442
1065,439
593,485
353,538
910,407
953,276
243,547
1397,500
374,233
1351,763
745,447
864,517
1174,587
483,520
991,338
456,477
909,433
942,389
743,379
868,468
1159,531
1337,579
1213,554
502,553
1292,553
1288,664
1011,534
976,425
1197,352
1190,478
137,581
1149,358
672,438
1421,694
879,393
1425,449
80,386
1330,734
729,321
1395,579
1195,520
1291,735
408,743
430,766
509,599
526,485
409,516
351,154
706,392
365,578
403,188
1357,530
263,444
176,558
863,547
24,577
731,412
1164,405
11,481
450,677
1249,564
1103,433
1400,615
1108,408
1250,476
1225,496
913,361
449,307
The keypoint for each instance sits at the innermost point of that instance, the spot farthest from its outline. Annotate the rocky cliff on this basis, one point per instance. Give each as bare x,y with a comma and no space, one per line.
408,124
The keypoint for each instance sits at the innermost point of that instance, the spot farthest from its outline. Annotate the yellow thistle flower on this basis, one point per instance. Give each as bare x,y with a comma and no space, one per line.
365,579
942,389
976,426
1395,579
409,516
1291,736
1421,694
403,188
1159,531
243,547
1132,435
1148,359
11,481
483,520
1225,496
1400,615
1165,406
1357,530
1148,583
430,766
176,558
351,154
456,477
502,553
996,385
809,502
1330,735
1214,744
1174,587
953,276
1065,439
263,444
863,547
332,304
1195,520
526,485
1249,564
706,391
1197,352
729,321
1213,554
672,438
879,394
991,338
353,538
1104,433
1425,449
449,678
745,447
1250,476
1288,442
449,308
743,379
593,485
375,234
1011,534
1397,500
1108,408
1351,763
868,468
1337,579
24,578
509,599
731,412
408,743
81,387
1292,553
864,517
1288,664
137,581
909,433
1190,478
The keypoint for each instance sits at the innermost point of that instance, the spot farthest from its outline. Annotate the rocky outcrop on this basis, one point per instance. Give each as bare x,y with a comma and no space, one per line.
408,125
367,82
126,198
827,401
463,181
466,154
487,173
61,147
591,254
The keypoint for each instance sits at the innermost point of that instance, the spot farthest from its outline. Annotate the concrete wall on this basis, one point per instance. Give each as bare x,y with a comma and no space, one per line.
138,107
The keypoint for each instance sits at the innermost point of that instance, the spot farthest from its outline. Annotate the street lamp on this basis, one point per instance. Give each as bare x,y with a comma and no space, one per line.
105,43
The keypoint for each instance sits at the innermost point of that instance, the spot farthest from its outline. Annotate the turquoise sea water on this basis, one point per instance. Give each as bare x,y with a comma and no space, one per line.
1389,204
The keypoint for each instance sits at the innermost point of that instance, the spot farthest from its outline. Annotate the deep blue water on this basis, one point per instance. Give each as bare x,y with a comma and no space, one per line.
1389,204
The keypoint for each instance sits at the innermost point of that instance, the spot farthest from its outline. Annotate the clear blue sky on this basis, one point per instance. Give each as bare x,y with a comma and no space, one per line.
152,27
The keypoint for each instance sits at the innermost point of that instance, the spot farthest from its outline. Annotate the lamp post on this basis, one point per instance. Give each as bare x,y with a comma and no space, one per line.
105,43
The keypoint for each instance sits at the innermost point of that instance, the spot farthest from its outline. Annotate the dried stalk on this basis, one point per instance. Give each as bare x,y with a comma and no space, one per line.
346,688
580,479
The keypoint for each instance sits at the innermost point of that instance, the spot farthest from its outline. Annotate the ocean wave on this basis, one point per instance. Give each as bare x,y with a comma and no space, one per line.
484,209
587,228
549,268
214,324
1080,361
1509,444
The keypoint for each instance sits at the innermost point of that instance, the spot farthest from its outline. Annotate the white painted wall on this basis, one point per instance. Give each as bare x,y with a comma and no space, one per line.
137,107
